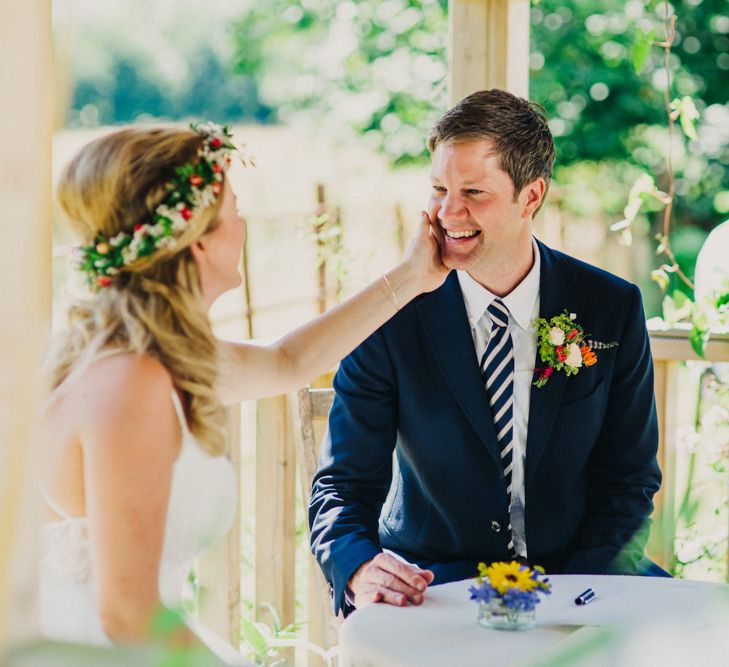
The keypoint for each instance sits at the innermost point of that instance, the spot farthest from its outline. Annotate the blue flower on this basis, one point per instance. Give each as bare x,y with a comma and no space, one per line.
520,600
481,593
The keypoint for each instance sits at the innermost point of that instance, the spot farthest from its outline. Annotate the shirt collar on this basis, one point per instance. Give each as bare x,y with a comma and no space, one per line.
520,301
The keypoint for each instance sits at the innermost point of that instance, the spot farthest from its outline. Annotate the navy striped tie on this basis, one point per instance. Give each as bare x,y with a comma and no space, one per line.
497,371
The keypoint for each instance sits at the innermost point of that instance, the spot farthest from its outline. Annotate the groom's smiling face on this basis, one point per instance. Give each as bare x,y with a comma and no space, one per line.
473,200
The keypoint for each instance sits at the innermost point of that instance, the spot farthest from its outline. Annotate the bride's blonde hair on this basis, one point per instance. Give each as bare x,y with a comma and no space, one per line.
154,306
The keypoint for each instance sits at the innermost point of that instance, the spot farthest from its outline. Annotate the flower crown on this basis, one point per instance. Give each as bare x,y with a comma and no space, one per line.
194,187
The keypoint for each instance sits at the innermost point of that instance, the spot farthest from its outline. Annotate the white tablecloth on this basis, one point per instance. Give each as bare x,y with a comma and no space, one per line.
634,622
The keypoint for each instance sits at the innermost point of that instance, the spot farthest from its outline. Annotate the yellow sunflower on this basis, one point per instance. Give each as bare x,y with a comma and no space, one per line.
504,576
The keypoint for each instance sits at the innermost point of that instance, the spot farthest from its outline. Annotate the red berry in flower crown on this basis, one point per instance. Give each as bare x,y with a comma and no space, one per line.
216,187
196,180
215,143
103,281
185,212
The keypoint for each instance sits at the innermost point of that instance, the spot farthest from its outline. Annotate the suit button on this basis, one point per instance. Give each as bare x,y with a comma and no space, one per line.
496,526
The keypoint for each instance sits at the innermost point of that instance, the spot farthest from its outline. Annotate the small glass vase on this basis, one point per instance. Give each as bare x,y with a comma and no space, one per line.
495,614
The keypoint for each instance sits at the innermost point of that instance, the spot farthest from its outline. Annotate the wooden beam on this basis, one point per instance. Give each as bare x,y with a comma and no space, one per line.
275,510
674,345
26,126
219,569
661,543
488,46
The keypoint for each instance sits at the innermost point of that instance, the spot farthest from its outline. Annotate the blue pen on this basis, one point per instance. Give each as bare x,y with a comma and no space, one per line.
586,597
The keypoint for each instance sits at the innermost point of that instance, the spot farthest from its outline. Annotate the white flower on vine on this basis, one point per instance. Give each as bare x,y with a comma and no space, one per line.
687,439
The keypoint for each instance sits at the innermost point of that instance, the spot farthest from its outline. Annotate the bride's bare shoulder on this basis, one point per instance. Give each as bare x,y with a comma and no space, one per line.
117,387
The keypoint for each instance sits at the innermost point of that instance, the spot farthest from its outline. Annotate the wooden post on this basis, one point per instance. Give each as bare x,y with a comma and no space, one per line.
308,409
661,543
488,46
339,249
26,126
219,569
319,226
247,290
275,510
400,229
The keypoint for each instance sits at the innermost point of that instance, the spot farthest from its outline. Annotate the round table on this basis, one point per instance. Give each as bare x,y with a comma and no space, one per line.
633,622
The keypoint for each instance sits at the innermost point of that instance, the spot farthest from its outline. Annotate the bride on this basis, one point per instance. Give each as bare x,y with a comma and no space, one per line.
137,484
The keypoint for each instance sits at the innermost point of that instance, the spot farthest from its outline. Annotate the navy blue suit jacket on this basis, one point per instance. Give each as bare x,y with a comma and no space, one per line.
415,387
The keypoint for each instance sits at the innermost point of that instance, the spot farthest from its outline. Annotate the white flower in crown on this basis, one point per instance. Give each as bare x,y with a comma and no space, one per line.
179,224
574,356
116,240
167,242
556,336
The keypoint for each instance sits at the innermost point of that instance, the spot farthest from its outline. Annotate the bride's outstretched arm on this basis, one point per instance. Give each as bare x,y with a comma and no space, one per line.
252,370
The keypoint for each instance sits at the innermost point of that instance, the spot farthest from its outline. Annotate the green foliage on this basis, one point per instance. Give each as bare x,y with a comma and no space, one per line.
687,114
705,315
264,642
375,67
642,48
43,653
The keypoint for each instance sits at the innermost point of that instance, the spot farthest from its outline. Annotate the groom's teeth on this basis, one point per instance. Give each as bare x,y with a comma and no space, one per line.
460,235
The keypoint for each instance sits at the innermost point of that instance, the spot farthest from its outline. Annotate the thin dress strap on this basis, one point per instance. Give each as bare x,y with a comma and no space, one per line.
180,412
55,506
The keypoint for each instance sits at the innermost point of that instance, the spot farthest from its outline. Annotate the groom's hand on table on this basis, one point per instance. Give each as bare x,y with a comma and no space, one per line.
388,579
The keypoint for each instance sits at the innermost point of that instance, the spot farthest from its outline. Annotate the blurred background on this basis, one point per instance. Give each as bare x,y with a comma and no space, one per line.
342,95
335,99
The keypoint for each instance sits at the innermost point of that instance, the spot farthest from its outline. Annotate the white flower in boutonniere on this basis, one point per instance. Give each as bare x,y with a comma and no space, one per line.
574,356
562,346
556,336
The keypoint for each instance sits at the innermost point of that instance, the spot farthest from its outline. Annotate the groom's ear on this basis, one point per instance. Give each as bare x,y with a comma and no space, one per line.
531,197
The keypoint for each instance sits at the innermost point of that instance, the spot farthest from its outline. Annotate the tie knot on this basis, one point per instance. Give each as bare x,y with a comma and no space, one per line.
498,313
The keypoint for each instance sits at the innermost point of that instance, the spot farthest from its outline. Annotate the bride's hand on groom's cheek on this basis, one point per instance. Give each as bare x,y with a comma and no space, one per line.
423,256
390,580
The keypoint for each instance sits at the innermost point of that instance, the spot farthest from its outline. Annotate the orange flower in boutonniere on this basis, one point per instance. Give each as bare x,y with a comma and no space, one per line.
562,346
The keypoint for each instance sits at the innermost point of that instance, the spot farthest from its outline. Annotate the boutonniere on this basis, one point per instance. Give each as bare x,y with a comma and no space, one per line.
562,346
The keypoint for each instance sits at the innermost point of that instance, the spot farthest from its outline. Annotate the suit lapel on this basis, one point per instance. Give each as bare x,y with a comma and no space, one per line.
444,319
557,292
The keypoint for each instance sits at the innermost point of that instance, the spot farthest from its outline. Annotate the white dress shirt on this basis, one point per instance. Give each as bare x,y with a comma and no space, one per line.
523,305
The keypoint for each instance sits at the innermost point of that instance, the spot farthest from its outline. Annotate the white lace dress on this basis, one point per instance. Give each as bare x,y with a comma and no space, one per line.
200,511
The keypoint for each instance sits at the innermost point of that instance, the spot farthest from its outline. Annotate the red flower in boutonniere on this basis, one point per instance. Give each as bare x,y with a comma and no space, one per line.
562,346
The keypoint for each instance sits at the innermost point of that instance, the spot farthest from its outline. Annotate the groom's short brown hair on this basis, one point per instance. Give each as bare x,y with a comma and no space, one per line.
516,126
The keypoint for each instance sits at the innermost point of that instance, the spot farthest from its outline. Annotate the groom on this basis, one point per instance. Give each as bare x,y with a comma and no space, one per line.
487,465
